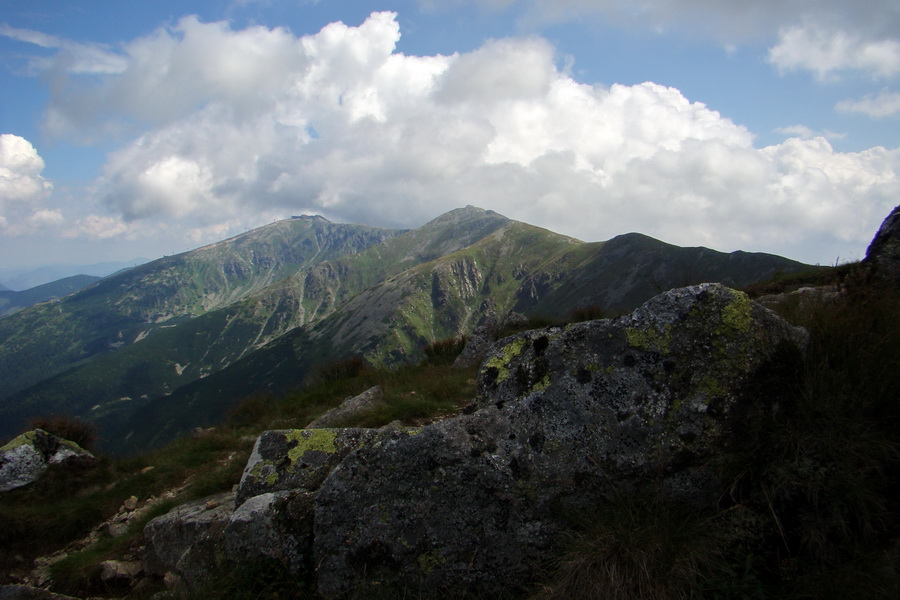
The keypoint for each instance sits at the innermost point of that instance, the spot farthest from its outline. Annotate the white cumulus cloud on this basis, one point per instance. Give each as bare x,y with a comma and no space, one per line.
255,123
22,188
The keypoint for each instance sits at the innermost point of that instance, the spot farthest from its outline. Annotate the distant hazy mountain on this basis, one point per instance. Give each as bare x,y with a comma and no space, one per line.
26,279
11,301
173,344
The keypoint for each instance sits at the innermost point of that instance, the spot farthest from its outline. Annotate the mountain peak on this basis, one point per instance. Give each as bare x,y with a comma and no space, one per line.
460,216
310,218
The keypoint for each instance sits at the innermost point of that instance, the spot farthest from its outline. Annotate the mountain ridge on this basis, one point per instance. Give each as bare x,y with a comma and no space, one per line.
14,301
383,301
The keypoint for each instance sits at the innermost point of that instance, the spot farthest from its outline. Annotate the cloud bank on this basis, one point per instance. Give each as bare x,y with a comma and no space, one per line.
22,189
245,125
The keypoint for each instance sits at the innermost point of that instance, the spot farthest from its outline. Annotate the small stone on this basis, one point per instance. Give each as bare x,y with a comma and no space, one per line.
130,504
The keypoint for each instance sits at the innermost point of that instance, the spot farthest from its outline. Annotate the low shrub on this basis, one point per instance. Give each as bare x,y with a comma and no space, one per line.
337,370
444,352
73,429
634,546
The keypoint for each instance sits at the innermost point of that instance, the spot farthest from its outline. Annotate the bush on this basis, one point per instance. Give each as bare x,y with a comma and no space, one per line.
444,352
338,370
587,313
69,428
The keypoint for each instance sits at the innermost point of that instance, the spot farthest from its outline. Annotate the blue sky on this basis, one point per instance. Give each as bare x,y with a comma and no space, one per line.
147,128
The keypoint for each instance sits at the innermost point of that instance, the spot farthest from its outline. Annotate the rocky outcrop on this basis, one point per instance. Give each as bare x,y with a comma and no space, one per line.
25,459
268,518
883,254
565,416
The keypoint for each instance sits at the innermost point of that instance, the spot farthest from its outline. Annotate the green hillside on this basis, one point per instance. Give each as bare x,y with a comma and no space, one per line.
11,301
151,353
50,338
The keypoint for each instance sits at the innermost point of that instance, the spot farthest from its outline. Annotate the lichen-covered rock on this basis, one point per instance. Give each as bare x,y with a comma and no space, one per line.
353,406
189,540
301,459
276,527
479,342
883,253
24,459
564,416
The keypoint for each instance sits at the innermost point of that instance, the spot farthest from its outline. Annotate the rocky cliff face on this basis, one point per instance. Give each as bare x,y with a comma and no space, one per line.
564,417
883,253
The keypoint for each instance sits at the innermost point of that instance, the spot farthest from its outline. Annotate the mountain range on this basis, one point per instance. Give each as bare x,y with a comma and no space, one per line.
151,352
12,301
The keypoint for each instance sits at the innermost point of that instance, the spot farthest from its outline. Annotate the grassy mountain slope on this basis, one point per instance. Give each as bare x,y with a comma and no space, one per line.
173,344
48,339
517,267
111,386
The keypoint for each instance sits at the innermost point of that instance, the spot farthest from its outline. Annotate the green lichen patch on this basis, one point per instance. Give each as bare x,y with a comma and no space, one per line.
737,315
542,385
651,338
501,363
321,440
27,438
429,561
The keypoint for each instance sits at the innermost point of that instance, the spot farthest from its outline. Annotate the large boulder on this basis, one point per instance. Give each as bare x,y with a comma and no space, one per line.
25,459
268,518
883,253
565,416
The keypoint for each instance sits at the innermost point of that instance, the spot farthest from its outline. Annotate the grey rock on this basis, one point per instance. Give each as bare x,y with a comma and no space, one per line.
477,345
25,459
565,417
276,527
301,459
883,253
120,572
188,540
351,407
483,337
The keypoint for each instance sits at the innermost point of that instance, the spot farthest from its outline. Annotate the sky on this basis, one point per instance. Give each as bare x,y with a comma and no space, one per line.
146,128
